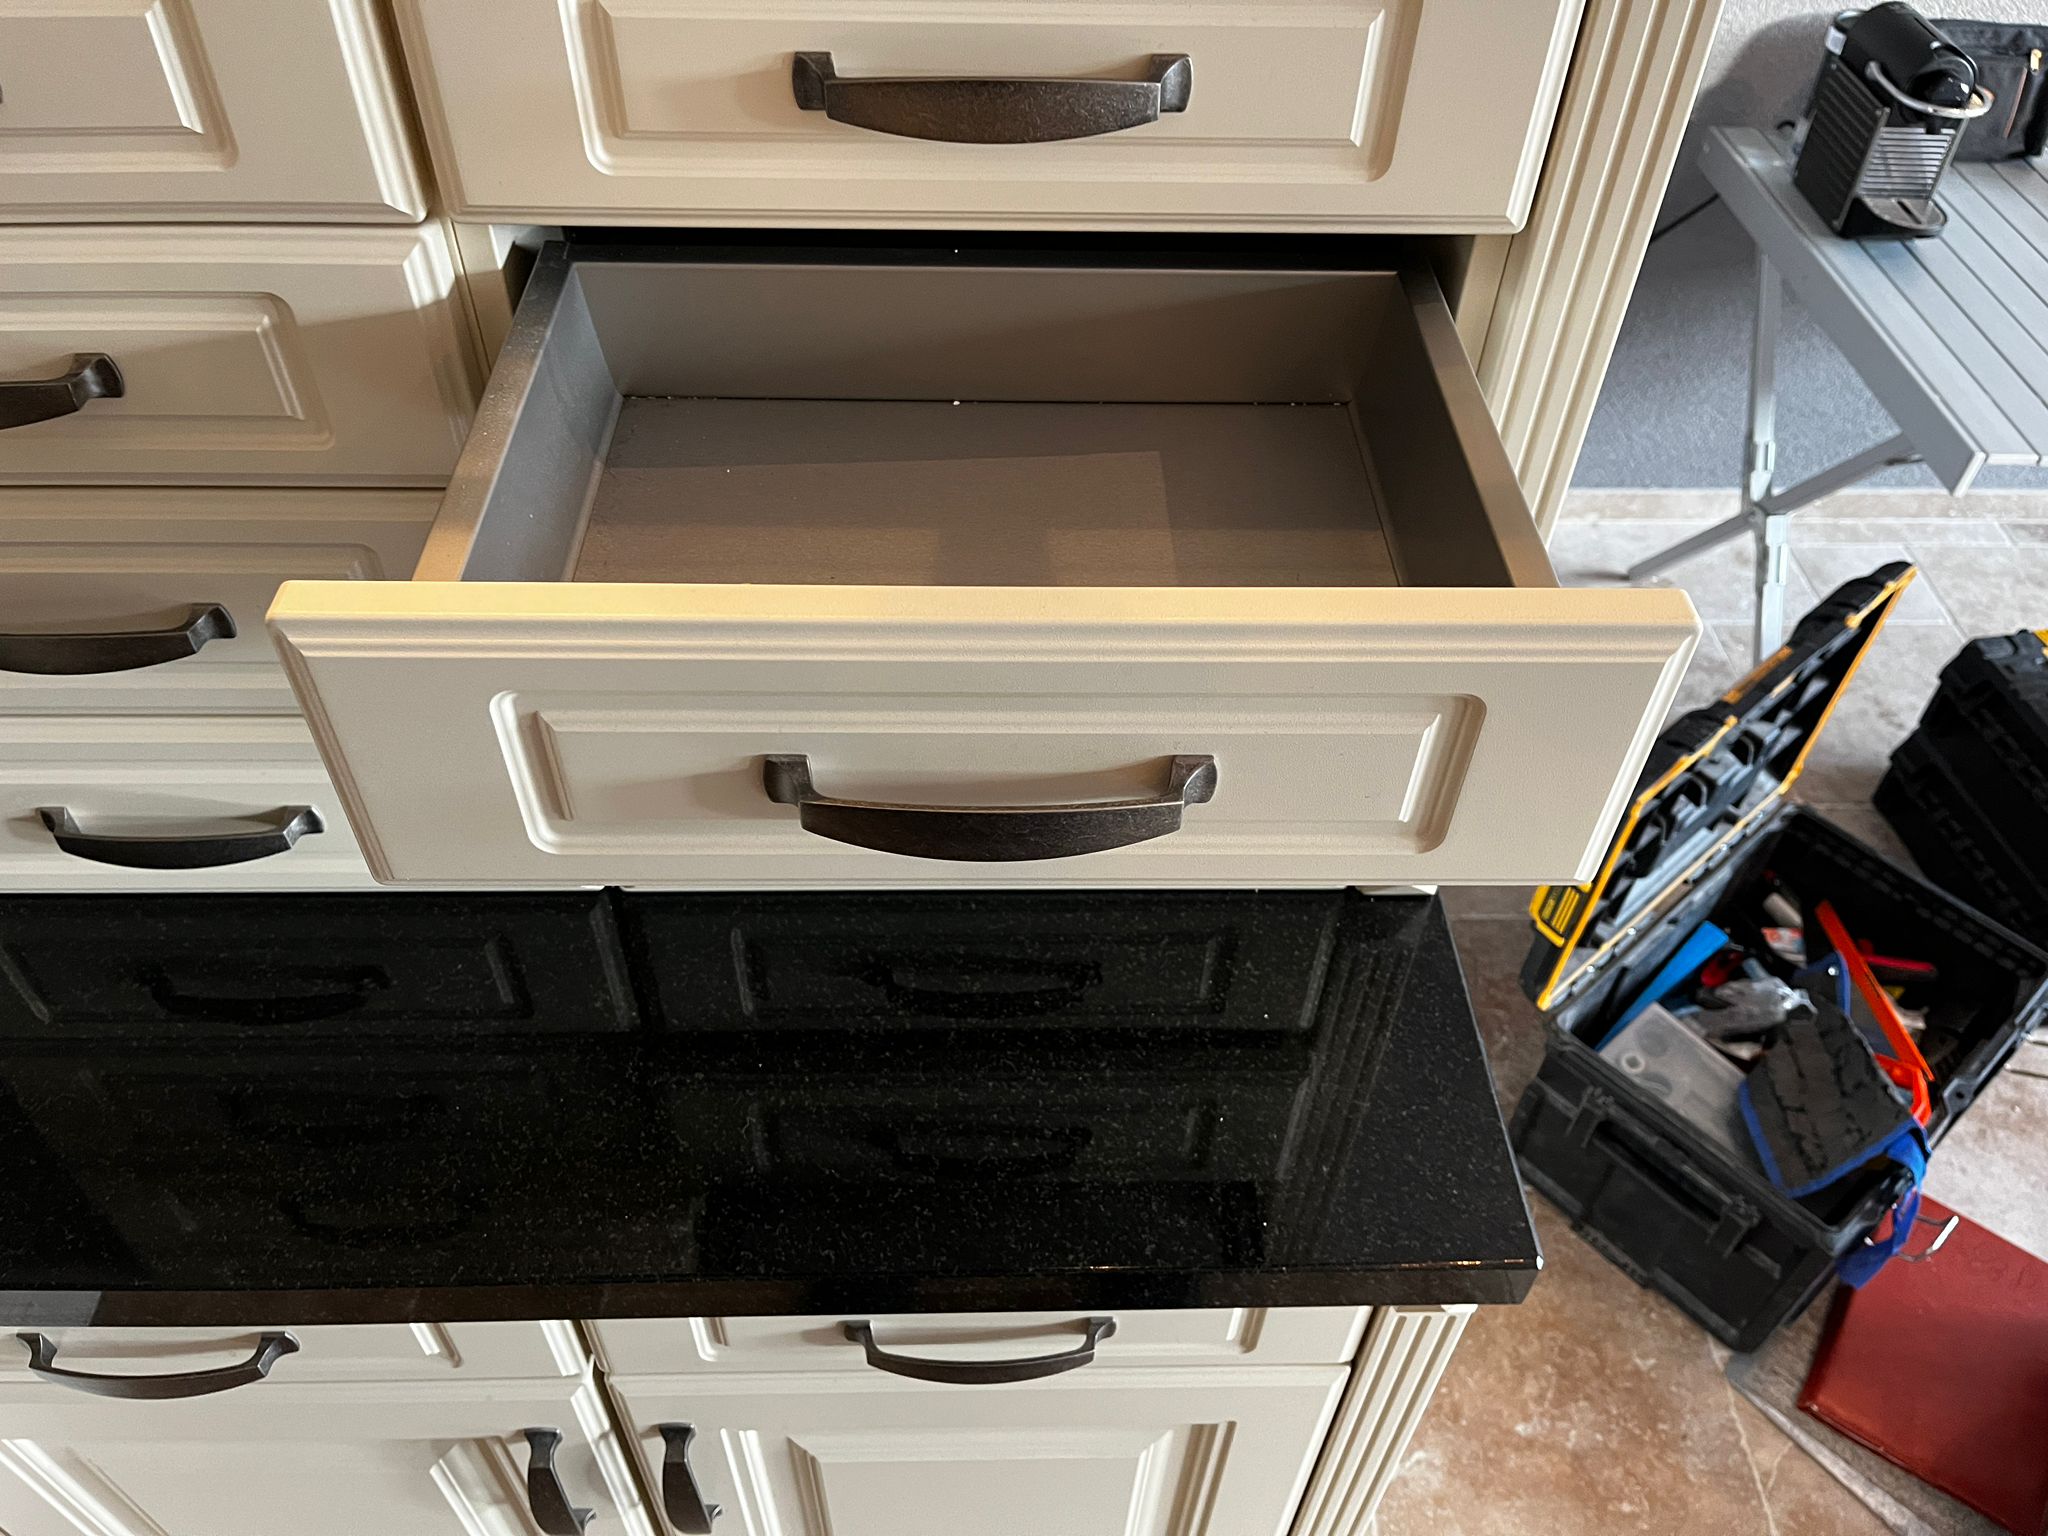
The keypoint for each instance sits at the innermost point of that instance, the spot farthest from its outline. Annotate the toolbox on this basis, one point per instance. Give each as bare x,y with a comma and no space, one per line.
1710,826
1967,792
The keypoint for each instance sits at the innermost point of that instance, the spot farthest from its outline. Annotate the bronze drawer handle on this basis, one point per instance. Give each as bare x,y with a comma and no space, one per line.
980,1373
992,110
270,1348
989,833
92,376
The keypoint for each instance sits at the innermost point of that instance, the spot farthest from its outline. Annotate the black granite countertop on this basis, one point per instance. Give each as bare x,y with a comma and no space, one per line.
596,1104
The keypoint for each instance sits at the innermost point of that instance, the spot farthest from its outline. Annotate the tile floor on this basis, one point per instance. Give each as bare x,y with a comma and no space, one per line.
1596,1407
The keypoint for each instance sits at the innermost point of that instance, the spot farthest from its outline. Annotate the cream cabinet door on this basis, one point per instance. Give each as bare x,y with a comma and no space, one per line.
315,1461
202,109
1178,1451
1408,115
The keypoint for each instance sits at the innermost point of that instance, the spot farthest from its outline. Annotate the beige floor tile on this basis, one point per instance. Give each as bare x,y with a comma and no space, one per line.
1721,581
1993,1167
1635,506
1827,566
1492,950
1910,532
1595,1408
1463,901
2026,533
1990,591
1803,1498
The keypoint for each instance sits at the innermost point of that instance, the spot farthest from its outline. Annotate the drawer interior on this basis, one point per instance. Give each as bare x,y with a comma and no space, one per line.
882,421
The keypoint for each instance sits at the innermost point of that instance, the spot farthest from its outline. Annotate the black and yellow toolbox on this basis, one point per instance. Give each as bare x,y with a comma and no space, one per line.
1967,792
1712,838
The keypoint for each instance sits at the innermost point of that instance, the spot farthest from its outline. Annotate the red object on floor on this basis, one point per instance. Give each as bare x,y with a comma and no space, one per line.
1941,1367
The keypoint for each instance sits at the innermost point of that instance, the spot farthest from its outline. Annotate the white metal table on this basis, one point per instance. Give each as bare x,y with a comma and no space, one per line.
1950,333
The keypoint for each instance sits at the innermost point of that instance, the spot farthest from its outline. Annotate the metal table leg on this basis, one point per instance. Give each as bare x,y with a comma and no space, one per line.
1764,511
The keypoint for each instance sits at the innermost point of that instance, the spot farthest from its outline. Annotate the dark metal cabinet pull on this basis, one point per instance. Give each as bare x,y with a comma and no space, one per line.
980,1373
93,376
270,1348
332,991
989,832
681,1499
79,655
288,825
992,111
545,1495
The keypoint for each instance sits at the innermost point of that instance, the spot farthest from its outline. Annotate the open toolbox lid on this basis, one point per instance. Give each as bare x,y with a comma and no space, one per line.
1714,775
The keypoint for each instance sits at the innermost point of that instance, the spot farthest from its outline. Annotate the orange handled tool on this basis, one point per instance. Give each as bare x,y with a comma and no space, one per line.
1905,1065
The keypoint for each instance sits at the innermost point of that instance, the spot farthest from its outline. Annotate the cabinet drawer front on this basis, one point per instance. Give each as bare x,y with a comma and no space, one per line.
1136,1453
245,355
1196,1336
540,734
356,1352
1358,114
127,560
192,777
204,109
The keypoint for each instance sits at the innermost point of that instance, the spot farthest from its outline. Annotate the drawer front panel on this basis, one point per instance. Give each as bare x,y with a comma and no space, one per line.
1348,113
123,560
550,733
1194,1336
267,356
200,776
357,1352
203,109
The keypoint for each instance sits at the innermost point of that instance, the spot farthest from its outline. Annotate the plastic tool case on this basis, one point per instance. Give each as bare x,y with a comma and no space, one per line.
1711,819
1968,791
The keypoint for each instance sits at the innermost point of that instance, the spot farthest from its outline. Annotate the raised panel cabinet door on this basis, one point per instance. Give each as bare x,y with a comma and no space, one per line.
316,1461
1188,1451
246,355
202,109
89,574
1410,115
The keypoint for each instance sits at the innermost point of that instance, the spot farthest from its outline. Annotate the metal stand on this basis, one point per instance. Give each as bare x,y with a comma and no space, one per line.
1765,512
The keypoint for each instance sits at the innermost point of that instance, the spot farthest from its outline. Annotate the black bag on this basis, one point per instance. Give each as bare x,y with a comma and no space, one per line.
2012,64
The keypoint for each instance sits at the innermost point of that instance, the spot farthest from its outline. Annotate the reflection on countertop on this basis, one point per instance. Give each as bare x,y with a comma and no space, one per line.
388,1107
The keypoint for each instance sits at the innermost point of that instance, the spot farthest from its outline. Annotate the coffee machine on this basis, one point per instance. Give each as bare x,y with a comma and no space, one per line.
1886,114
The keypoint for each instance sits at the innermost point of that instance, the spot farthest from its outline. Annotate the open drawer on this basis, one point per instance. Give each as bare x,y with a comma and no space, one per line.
818,568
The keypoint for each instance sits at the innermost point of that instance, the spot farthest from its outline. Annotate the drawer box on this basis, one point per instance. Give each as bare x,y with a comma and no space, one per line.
134,564
194,778
353,966
207,109
1405,115
1187,1336
998,550
365,1352
245,355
